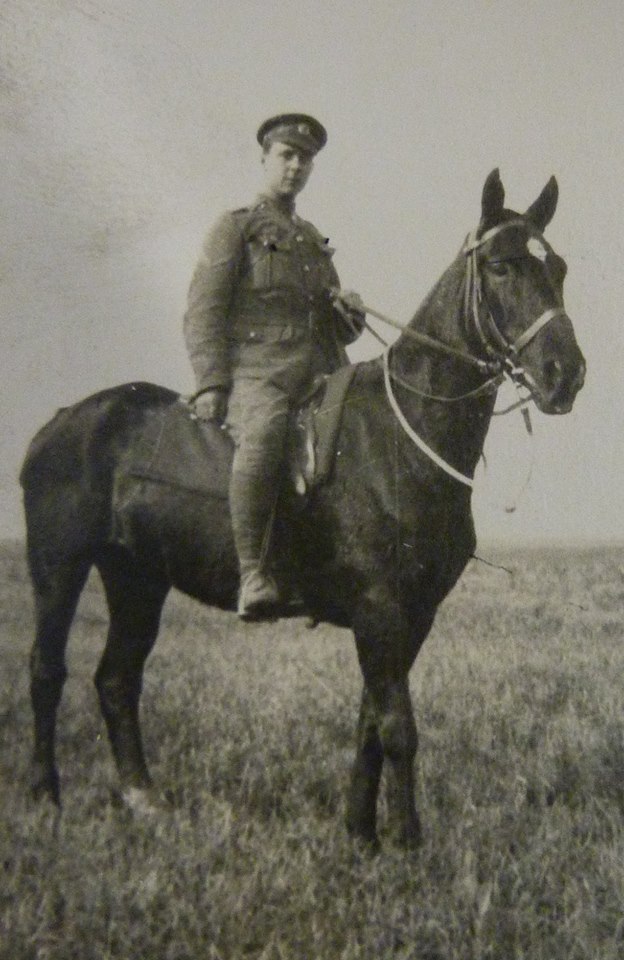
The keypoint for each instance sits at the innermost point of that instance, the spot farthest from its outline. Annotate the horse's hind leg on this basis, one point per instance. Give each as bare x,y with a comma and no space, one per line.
57,586
135,603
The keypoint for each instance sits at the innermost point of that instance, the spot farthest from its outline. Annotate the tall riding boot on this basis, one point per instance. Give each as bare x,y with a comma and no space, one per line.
252,499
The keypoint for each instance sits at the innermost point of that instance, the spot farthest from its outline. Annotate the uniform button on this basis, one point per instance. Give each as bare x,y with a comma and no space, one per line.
306,268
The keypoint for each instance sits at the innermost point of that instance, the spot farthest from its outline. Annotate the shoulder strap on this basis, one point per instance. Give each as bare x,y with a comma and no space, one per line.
253,218
314,232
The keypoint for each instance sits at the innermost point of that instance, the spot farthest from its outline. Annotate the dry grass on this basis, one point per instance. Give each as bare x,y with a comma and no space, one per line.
249,729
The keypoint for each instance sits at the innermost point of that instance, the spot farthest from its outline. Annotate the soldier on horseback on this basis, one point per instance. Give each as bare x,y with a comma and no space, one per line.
265,316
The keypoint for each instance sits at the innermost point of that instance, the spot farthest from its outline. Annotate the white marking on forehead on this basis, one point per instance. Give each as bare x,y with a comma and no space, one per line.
537,249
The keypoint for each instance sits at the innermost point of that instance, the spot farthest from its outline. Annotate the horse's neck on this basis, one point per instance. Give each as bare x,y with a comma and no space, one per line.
457,430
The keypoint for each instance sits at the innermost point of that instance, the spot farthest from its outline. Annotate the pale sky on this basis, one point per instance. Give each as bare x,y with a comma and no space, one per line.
127,128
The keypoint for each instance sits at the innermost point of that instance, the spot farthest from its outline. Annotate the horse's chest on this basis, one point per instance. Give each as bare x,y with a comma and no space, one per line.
430,566
420,541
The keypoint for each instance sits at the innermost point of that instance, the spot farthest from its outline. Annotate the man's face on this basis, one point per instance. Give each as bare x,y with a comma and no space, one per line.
286,169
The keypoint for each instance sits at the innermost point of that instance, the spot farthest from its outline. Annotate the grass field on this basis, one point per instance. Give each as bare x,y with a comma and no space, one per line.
249,730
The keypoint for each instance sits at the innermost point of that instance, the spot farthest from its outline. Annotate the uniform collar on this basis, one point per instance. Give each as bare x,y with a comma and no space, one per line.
286,207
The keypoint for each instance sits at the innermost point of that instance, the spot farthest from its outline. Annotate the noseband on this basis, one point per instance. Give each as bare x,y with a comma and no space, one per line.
502,354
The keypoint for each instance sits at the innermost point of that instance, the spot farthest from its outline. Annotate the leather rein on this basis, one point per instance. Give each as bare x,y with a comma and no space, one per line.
503,355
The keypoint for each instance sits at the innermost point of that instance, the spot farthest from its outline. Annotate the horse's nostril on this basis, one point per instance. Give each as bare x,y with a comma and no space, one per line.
553,370
562,381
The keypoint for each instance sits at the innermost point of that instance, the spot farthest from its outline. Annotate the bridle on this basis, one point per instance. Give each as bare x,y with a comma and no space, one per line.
502,355
496,346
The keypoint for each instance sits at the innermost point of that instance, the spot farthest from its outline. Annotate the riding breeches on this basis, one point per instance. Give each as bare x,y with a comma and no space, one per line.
258,416
257,419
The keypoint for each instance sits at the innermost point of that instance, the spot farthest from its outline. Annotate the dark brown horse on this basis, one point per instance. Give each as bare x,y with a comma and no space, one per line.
376,548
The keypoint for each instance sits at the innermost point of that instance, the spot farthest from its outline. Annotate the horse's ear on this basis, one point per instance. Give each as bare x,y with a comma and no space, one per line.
492,199
542,211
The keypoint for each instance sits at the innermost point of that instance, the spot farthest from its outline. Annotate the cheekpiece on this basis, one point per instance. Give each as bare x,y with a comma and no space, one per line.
297,129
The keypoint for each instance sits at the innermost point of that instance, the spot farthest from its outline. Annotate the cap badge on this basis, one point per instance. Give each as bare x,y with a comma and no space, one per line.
305,129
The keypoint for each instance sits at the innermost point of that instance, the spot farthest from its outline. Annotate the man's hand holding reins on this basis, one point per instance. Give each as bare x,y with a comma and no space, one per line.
211,406
349,305
347,302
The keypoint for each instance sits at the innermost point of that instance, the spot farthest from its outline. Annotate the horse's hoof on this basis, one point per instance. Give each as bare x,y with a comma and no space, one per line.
409,840
46,789
365,838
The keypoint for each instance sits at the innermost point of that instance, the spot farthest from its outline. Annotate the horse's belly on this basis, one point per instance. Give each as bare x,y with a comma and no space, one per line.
182,536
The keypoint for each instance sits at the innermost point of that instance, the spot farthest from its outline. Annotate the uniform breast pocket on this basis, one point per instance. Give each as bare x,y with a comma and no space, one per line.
272,333
325,263
271,263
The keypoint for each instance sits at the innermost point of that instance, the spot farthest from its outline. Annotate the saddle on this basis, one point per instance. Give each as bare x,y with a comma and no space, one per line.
313,436
178,450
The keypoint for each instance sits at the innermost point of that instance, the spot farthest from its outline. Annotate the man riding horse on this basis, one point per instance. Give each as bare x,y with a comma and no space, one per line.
385,536
265,316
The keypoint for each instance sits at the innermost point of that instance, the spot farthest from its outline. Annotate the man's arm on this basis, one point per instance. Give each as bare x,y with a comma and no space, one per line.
206,321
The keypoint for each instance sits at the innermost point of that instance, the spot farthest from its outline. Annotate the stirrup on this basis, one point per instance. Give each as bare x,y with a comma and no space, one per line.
259,597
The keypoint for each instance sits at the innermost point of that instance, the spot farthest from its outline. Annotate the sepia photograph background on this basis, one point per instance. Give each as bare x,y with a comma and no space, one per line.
127,129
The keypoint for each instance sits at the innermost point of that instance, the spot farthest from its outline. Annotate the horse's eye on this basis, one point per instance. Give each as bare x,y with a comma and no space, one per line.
500,268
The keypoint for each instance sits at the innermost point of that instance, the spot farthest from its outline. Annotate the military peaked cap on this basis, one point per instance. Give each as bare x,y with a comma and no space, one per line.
296,129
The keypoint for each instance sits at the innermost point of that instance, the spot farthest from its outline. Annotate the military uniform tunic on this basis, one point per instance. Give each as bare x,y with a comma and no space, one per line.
259,300
260,322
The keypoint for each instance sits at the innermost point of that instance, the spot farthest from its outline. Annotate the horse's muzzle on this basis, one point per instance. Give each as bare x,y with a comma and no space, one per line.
561,381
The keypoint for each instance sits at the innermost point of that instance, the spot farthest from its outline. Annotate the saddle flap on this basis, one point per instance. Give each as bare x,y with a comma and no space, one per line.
313,439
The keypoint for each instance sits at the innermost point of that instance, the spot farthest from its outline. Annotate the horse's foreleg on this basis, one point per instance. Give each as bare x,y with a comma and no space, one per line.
387,645
135,605
366,774
57,585
397,731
